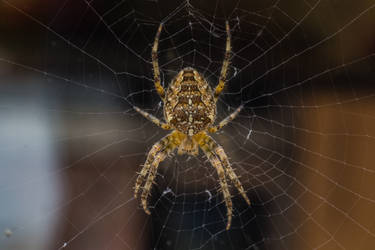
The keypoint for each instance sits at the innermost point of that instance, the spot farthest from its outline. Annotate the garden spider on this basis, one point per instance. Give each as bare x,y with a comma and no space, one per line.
190,111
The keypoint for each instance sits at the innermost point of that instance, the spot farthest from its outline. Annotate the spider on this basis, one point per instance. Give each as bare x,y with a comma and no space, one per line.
190,111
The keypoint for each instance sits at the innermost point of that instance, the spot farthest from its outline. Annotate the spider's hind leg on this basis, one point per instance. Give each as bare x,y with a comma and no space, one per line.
223,74
155,64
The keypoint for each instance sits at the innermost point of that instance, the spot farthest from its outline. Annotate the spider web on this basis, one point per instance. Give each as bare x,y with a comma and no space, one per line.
71,143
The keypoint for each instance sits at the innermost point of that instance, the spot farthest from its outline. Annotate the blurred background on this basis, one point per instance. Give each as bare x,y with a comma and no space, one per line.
71,144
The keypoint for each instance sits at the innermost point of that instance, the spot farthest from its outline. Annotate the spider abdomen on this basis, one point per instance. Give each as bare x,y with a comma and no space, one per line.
190,106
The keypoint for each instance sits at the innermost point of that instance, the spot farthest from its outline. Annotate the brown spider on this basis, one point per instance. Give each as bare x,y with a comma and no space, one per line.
190,111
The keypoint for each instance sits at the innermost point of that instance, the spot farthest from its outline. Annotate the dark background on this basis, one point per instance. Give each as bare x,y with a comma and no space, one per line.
71,144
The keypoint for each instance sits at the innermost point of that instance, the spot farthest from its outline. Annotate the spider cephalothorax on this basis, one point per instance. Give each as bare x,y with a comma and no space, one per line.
190,111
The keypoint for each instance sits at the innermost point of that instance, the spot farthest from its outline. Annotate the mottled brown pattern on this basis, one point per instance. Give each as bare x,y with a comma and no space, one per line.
190,106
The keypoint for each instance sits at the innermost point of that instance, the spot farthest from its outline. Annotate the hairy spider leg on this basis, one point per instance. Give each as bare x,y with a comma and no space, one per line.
220,87
156,148
155,64
151,176
219,151
217,164
153,119
157,154
224,122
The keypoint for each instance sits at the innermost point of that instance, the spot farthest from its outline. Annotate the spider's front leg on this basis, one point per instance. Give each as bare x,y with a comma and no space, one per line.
219,151
216,163
157,154
219,160
151,176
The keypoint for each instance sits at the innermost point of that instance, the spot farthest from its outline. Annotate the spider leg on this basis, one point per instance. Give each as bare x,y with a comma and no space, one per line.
219,88
146,167
155,64
224,122
153,119
219,160
151,176
217,164
219,151
157,154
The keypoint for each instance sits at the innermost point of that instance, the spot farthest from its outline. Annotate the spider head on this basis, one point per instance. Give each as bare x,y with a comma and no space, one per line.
188,146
